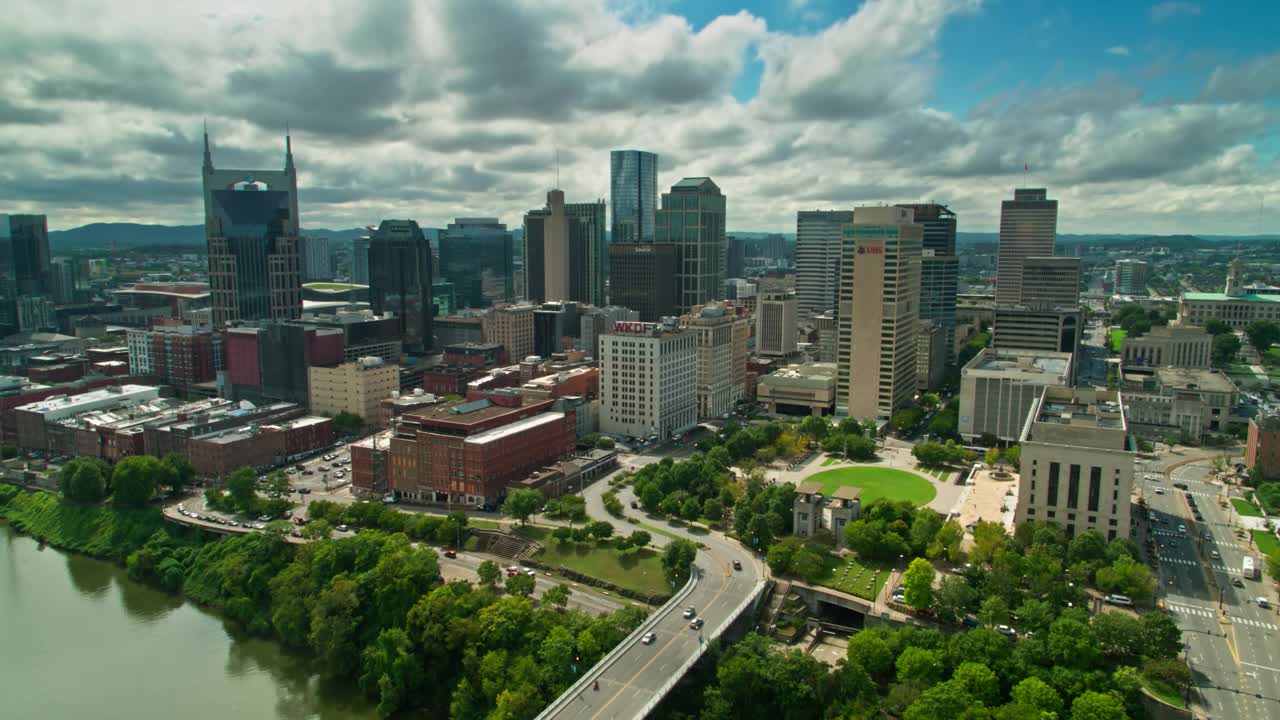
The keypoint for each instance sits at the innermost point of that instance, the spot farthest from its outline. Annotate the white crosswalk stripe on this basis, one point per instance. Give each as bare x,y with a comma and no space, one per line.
1255,623
1207,613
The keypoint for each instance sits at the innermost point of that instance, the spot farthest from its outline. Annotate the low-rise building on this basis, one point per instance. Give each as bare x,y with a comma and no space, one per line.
400,403
258,446
1237,305
1077,462
806,389
1190,403
354,387
41,424
812,511
998,387
1262,449
1183,346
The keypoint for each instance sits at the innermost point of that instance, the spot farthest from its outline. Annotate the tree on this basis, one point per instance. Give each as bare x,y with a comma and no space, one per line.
919,665
953,599
979,681
347,423
1161,637
520,504
905,419
1013,454
1225,348
82,480
870,650
859,448
929,401
181,472
1262,335
600,529
991,456
713,510
994,611
489,573
391,668
1097,706
815,427
639,538
1216,327
946,543
917,582
242,486
334,624
134,479
1127,577
277,484
691,509
604,443
1119,635
988,537
521,584
944,700
318,530
574,507
1036,693
557,596
677,559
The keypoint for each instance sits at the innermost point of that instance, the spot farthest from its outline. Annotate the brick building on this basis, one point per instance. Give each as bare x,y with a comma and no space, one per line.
177,354
258,446
1262,449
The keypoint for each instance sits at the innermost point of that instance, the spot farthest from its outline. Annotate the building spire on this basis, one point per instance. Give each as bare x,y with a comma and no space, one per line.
288,150
208,158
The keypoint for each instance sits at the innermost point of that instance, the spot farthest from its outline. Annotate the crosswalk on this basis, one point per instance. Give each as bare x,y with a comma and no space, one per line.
1209,613
1216,566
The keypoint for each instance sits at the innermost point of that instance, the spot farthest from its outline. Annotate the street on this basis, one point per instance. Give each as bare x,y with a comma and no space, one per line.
1231,642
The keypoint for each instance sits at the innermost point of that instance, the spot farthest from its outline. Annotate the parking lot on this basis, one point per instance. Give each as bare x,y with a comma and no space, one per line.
328,473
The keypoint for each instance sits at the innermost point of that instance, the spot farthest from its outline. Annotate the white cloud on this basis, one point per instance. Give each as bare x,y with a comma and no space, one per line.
1166,10
1120,50
449,108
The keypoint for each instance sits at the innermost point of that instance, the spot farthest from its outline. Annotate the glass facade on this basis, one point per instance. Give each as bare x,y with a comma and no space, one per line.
476,256
400,280
253,221
633,195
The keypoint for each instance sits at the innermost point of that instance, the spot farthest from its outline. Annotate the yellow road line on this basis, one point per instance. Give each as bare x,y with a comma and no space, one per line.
724,586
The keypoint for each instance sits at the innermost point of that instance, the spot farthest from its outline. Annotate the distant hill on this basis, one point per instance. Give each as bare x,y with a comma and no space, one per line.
127,235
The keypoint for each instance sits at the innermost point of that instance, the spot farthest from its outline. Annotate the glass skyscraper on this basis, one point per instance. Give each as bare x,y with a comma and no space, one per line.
400,280
476,256
633,194
692,218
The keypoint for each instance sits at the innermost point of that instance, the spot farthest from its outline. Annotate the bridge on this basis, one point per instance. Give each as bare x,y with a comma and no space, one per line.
635,677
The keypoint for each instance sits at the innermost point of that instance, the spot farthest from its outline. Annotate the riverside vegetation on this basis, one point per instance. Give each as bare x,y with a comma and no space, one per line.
371,607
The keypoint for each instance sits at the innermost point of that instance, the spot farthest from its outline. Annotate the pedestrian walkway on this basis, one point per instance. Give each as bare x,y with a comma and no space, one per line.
1217,566
1211,613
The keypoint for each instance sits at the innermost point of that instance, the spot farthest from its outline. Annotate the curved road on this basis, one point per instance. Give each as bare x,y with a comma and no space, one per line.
631,681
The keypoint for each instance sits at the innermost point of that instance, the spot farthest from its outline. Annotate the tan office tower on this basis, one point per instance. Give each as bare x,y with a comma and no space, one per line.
1049,282
1028,228
878,310
511,326
546,256
776,333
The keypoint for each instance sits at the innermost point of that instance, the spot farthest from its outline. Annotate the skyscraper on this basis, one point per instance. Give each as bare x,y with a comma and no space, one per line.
642,277
24,262
776,324
360,260
878,311
692,218
561,242
1049,282
818,258
476,256
65,280
735,252
939,270
588,251
317,261
251,226
1131,277
633,194
1028,228
400,280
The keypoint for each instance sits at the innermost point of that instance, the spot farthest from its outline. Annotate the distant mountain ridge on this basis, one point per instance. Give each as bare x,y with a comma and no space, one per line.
124,235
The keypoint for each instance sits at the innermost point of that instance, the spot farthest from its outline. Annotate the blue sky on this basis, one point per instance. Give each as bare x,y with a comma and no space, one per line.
1139,116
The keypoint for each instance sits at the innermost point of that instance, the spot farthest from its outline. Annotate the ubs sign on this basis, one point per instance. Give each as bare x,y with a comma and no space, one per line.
631,327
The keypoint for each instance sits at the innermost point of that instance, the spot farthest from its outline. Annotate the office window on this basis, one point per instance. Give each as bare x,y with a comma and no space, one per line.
1095,486
1073,486
1054,469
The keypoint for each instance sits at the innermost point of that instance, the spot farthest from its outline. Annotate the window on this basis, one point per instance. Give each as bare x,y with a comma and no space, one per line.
1095,485
1073,487
1054,469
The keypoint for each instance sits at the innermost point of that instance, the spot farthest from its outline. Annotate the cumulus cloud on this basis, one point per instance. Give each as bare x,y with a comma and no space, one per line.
446,108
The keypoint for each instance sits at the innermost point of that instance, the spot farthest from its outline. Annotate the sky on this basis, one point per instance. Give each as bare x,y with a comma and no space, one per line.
1138,117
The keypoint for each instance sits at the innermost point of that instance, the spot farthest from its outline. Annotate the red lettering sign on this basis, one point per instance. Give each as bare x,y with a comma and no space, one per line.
632,327
874,249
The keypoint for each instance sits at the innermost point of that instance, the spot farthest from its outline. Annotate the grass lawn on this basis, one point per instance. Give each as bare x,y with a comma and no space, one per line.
1162,691
1266,541
831,461
640,571
941,473
484,524
1117,339
1245,507
329,286
856,577
877,482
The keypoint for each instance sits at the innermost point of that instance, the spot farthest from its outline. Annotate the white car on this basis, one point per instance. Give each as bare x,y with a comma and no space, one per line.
1262,602
689,612
648,638
1118,600
1159,491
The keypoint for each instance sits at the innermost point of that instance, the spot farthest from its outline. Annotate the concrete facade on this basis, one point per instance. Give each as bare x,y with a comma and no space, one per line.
1188,402
1077,462
647,381
1048,329
1049,282
1184,346
776,324
1131,277
720,336
812,511
354,387
511,326
998,387
817,254
808,389
1028,228
931,355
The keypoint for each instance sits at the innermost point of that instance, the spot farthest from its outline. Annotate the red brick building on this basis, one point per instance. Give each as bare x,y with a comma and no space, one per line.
1262,450
178,354
214,456
468,453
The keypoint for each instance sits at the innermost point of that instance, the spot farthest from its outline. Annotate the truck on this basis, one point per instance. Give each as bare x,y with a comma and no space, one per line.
1249,568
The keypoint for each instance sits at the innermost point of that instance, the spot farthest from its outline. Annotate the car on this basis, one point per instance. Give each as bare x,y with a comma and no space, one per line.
1182,528
969,621
323,468
531,572
648,638
308,472
341,528
1159,491
1180,485
181,507
1006,631
264,518
737,564
1199,517
1121,600
1236,581
689,612
512,573
696,623
451,553
1262,602
304,491
1215,554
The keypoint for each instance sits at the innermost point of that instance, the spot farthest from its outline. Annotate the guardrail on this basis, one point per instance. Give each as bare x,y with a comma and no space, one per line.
666,687
612,656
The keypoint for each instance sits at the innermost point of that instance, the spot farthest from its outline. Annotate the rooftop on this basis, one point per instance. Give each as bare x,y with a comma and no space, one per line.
62,405
1195,379
515,428
1028,362
1081,407
803,375
461,412
333,287
1223,297
188,290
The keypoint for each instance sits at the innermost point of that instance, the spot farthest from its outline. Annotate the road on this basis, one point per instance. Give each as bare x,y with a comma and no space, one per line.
1091,366
629,683
1231,642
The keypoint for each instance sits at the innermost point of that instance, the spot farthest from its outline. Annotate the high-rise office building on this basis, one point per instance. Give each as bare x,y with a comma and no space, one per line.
1049,282
588,251
1131,277
735,257
317,259
642,277
24,263
878,312
251,226
647,386
776,324
400,280
692,218
939,270
720,334
818,258
561,242
633,195
66,281
476,256
360,260
1028,228
511,326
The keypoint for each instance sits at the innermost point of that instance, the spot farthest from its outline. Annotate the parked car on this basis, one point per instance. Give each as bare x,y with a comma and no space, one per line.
1006,631
1114,599
737,565
451,553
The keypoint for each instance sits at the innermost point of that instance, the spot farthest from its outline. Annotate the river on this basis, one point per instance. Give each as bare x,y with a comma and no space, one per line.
79,639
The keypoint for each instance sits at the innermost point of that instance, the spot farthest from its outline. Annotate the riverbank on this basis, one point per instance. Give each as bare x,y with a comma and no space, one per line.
369,607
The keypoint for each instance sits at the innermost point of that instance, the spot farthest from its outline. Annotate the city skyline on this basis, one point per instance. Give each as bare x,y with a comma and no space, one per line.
1135,117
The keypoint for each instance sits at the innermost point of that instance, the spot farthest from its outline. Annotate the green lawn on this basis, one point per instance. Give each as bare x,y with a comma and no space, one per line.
1266,541
1162,691
330,286
1245,507
1117,339
856,577
640,571
876,483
